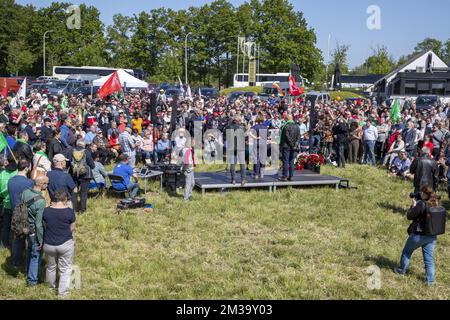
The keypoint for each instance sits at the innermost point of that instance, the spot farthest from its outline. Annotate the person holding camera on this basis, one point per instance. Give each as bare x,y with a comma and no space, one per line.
428,222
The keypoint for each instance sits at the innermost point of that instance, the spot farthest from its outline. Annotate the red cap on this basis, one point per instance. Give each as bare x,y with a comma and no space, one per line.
215,114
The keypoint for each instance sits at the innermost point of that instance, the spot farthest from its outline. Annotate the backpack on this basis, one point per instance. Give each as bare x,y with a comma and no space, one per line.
434,222
79,164
19,222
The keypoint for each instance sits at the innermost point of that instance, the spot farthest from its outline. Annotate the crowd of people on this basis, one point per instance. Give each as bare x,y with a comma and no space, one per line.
58,147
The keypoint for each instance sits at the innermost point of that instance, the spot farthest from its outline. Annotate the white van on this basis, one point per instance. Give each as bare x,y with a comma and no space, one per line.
47,79
318,97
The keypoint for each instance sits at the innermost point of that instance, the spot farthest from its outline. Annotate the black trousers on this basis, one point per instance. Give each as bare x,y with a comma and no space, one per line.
79,198
104,155
340,155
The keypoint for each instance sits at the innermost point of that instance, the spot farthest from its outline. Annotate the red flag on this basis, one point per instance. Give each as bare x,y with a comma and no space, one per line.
5,89
111,86
293,89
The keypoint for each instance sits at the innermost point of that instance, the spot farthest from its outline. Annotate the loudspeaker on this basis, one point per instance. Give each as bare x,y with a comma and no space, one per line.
173,119
153,105
313,116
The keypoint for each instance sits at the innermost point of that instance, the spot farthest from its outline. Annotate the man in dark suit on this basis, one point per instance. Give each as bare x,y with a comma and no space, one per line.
425,171
290,139
235,145
410,138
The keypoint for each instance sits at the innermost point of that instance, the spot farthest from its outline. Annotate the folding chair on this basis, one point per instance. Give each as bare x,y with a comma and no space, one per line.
96,186
116,179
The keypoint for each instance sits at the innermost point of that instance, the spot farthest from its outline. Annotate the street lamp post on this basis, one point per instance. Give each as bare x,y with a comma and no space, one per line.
186,58
45,34
328,59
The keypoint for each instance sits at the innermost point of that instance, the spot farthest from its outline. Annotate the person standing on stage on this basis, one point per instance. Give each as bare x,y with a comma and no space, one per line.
187,161
236,148
290,138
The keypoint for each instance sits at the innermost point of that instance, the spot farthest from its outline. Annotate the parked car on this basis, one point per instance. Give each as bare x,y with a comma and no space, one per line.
39,87
425,102
172,93
47,79
318,97
232,97
85,91
58,88
209,93
166,86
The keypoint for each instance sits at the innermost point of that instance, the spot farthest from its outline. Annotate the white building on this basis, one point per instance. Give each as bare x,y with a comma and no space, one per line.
425,73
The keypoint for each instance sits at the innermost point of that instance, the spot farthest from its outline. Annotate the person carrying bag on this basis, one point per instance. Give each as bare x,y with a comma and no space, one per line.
429,219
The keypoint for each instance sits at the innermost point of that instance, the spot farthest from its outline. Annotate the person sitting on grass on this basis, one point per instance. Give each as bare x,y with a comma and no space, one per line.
125,171
98,173
400,166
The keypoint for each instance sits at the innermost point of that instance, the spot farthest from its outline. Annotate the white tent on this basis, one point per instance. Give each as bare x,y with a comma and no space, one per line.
126,79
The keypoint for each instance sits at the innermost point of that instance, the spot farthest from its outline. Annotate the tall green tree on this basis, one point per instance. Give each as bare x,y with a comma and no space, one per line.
446,53
429,44
19,60
380,62
339,56
118,42
284,36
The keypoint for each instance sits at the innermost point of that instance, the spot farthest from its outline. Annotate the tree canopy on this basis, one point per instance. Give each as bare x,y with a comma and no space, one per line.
154,41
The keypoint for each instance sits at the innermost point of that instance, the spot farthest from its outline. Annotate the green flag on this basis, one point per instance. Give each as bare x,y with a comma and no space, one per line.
395,112
64,103
3,142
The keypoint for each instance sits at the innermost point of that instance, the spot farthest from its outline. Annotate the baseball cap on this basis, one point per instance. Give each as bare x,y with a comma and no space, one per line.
59,158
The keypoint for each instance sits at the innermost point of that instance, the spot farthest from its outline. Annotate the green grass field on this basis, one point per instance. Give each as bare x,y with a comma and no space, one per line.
313,243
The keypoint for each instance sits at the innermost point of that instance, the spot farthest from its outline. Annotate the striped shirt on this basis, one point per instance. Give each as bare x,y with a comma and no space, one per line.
126,143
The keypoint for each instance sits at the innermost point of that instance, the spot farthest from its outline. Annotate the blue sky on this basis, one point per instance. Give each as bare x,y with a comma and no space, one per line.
404,23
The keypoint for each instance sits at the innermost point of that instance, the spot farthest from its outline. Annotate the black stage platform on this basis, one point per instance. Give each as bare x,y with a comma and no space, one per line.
218,181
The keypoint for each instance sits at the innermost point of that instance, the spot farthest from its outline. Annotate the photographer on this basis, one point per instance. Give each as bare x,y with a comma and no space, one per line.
419,235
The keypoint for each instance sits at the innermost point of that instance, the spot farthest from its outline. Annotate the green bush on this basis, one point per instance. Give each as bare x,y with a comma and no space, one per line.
344,95
246,89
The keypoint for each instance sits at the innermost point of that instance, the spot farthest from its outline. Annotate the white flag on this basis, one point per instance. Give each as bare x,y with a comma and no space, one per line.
189,93
181,84
22,93
15,102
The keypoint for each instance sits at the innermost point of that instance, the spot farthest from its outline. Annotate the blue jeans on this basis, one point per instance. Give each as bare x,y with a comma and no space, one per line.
427,243
369,153
18,248
33,260
288,162
6,227
314,144
133,189
150,155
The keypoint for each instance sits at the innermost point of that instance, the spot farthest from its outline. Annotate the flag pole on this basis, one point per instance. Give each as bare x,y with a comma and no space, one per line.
12,153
